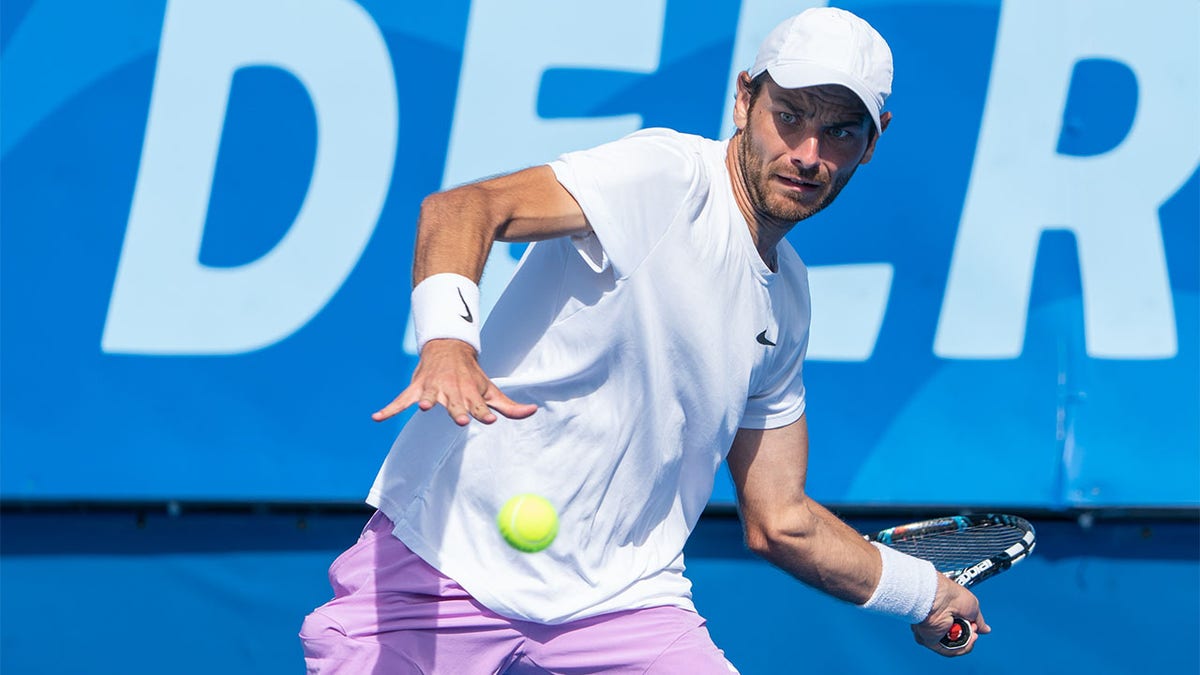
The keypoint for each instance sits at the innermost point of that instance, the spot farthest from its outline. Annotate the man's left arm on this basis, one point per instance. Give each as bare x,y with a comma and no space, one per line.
783,525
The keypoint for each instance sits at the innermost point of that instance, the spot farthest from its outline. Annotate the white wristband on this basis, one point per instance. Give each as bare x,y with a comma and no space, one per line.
446,306
906,588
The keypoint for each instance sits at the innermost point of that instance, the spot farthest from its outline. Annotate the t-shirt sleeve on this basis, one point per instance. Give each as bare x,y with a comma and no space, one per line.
780,404
630,190
780,399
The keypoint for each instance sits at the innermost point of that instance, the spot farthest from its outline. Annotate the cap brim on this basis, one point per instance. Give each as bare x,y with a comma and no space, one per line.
800,74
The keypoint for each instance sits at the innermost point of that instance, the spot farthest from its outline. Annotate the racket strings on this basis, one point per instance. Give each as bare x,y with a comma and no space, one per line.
954,550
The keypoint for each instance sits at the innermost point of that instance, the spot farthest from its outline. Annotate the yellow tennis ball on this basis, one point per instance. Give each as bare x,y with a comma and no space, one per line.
528,522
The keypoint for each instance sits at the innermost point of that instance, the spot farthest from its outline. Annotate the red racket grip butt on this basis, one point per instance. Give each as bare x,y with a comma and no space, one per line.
958,636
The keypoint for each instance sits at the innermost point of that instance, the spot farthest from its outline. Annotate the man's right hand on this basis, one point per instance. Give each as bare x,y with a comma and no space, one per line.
448,373
952,601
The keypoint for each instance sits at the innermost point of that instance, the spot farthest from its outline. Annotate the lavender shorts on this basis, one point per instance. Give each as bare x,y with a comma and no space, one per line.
393,613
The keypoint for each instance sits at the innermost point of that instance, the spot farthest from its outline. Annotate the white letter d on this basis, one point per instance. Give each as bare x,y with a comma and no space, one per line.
164,301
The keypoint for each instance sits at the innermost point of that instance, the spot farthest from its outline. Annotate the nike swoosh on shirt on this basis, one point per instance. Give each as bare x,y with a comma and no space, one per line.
468,317
762,339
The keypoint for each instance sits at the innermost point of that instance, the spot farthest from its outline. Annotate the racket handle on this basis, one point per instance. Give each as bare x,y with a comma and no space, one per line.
958,636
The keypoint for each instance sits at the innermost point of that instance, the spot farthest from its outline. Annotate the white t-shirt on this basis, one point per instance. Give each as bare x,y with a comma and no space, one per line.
646,345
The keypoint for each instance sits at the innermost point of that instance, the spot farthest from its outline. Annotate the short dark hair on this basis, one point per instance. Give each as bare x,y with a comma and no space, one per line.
754,86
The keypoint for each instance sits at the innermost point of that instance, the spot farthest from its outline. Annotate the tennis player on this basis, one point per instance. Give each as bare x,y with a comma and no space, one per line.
657,326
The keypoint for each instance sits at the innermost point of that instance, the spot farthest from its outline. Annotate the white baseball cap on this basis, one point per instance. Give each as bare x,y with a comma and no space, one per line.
825,45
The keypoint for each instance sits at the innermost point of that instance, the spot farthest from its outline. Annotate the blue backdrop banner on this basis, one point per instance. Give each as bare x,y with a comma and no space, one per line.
207,222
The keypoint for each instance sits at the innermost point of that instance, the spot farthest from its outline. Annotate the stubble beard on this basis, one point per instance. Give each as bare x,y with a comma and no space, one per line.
757,173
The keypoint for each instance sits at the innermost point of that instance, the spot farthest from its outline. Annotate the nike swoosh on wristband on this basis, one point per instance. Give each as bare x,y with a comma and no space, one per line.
468,317
762,339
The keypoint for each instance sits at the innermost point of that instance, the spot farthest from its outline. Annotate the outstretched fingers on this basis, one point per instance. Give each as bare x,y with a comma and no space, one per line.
460,404
477,405
449,375
401,403
501,403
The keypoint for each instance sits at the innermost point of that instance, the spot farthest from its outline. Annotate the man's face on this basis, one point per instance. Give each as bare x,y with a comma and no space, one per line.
799,147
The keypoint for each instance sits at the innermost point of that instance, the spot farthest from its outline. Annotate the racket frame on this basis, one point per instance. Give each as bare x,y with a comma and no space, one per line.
971,574
985,568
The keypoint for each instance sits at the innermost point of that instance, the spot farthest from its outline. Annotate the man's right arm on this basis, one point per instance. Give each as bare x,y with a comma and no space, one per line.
794,532
455,232
456,228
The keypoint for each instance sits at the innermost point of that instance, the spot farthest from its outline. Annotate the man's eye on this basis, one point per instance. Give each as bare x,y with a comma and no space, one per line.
840,132
787,118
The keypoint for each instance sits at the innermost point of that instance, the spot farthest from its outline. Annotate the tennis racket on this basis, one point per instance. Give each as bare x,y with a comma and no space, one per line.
967,549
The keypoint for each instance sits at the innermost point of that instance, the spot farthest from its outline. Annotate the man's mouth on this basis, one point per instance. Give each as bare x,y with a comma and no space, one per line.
800,183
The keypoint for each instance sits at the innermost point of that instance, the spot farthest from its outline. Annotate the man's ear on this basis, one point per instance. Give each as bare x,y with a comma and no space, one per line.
884,120
741,106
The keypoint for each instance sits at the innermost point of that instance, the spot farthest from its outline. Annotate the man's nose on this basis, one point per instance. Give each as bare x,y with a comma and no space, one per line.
807,154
